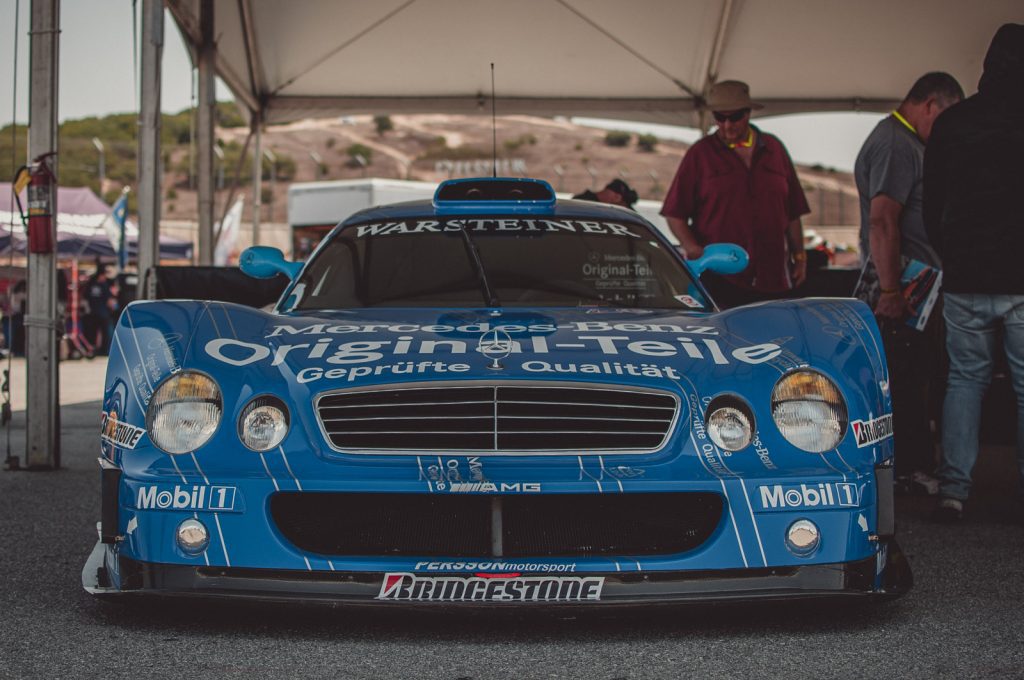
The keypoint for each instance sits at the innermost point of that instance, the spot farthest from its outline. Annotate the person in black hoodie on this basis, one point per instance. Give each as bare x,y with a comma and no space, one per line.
973,192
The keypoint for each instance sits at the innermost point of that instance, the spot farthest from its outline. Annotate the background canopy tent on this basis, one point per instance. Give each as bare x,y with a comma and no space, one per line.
80,229
648,60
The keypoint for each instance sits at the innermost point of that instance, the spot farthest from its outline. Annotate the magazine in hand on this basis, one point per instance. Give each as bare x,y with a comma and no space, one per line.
919,282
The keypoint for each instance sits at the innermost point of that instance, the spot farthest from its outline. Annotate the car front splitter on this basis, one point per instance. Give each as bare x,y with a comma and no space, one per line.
874,577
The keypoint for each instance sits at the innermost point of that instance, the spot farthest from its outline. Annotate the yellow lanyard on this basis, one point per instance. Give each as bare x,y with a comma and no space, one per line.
897,116
749,143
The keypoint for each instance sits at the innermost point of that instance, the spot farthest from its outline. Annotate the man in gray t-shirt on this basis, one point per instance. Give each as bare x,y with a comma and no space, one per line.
889,173
891,162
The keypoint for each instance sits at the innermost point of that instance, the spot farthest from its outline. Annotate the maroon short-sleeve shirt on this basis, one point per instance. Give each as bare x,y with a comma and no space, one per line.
724,201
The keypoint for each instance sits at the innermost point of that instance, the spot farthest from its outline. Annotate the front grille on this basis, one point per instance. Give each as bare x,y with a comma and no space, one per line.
550,525
495,419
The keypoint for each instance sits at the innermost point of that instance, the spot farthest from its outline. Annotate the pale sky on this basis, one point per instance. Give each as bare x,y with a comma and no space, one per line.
97,78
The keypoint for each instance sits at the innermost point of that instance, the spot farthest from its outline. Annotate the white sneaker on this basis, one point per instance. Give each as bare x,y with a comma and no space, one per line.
924,481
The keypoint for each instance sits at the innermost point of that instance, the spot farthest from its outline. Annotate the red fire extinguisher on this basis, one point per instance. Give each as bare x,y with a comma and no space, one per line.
41,188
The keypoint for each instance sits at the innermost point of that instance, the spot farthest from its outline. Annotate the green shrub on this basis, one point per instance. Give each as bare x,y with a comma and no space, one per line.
646,142
383,124
359,150
617,138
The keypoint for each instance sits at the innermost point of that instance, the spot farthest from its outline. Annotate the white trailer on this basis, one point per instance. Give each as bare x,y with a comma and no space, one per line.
314,208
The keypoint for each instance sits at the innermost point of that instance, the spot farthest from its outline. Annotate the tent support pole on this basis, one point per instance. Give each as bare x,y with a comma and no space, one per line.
257,176
713,61
207,106
149,147
42,441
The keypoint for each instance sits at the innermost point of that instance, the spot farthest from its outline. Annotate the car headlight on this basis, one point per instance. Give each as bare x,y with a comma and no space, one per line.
263,423
730,424
809,411
184,412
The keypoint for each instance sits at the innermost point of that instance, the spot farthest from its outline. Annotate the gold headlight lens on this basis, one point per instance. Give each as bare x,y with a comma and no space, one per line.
809,411
184,412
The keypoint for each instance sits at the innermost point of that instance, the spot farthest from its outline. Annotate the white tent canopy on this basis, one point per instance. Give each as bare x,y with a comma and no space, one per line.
648,60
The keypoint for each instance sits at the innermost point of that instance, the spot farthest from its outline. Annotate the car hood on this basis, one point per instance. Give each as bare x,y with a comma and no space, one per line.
695,353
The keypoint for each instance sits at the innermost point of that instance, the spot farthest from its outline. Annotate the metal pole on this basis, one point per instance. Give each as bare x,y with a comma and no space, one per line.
205,124
149,147
42,443
257,179
273,179
318,163
102,164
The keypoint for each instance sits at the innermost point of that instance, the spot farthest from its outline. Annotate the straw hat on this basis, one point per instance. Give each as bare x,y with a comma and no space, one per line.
730,95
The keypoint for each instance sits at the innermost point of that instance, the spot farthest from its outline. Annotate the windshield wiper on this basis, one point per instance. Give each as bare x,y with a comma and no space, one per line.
490,298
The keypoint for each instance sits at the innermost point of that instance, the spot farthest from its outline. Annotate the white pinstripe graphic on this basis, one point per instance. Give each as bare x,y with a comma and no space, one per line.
721,459
138,348
216,516
289,467
128,370
754,520
206,554
831,466
330,564
423,475
700,457
308,565
224,547
583,471
195,515
850,467
224,308
195,330
638,567
178,470
617,567
617,480
276,487
732,517
196,463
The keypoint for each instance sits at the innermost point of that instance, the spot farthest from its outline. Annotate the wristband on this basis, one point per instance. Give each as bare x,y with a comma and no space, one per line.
800,256
890,291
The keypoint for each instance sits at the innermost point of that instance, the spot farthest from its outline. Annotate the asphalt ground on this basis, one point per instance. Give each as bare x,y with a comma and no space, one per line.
963,619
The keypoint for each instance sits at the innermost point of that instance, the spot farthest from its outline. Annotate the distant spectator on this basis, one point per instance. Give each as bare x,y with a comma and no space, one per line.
738,185
889,172
616,192
102,307
973,180
14,319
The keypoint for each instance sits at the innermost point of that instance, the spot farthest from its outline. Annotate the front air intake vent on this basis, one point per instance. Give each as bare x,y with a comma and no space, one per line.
498,419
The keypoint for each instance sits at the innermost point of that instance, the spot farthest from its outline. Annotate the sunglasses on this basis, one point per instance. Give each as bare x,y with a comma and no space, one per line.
734,117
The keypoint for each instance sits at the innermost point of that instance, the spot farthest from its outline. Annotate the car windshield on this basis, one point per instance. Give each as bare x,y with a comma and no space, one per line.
511,261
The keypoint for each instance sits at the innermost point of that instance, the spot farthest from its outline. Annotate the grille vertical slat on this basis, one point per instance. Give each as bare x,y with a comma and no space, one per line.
498,419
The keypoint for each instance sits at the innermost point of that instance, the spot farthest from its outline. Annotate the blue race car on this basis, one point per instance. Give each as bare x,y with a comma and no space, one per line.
495,397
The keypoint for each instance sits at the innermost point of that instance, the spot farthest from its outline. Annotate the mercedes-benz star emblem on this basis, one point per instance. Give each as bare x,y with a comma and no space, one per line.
495,345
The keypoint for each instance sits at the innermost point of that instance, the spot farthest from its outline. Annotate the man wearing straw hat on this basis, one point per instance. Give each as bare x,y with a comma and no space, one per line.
738,185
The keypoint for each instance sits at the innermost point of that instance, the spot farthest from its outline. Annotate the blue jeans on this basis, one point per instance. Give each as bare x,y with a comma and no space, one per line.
972,323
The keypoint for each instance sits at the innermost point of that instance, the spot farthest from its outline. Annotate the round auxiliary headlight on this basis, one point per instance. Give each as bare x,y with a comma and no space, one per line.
809,411
263,423
802,537
184,412
729,428
192,537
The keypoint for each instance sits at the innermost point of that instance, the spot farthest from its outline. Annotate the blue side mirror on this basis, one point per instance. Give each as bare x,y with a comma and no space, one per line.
264,262
721,258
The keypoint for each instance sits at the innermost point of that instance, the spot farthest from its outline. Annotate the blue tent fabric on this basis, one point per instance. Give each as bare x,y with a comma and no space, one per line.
80,230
